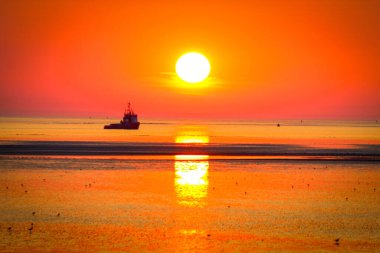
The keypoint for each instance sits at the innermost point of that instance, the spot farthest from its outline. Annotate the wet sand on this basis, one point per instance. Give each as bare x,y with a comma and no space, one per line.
192,204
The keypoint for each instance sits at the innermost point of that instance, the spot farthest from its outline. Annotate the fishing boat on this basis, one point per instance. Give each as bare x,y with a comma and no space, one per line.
129,121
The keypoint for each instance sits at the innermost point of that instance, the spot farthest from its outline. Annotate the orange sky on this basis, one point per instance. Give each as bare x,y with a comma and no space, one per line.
269,59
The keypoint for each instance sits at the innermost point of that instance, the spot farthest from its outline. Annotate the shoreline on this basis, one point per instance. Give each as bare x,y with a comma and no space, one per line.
357,152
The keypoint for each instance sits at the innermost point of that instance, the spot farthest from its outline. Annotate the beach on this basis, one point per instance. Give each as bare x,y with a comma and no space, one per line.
113,205
190,194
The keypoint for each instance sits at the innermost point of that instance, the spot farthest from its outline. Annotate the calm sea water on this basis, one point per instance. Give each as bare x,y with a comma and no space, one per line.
175,186
310,133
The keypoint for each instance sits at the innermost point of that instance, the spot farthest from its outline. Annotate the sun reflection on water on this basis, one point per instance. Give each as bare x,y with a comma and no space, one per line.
191,171
191,232
192,139
192,135
191,179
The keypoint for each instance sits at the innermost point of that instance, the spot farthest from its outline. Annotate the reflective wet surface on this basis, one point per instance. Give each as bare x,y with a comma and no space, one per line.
146,196
187,203
191,182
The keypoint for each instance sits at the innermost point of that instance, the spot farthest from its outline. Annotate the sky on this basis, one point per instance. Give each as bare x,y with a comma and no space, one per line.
272,59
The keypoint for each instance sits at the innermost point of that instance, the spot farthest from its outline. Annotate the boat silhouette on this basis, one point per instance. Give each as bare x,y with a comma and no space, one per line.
129,121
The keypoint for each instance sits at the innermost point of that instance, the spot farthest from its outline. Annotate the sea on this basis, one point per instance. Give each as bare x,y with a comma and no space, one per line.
68,185
248,139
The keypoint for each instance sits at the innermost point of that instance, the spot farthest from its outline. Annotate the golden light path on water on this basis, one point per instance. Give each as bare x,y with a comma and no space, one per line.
192,134
191,179
191,171
192,139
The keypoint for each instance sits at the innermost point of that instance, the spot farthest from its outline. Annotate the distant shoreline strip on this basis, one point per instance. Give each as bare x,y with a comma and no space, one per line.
259,151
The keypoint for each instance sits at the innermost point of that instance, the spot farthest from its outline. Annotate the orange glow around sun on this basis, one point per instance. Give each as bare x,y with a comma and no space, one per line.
270,59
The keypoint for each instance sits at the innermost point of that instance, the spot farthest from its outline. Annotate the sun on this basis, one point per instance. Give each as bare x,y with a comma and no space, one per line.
193,67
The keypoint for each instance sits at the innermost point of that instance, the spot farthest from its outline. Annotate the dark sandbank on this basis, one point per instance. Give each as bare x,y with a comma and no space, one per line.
65,148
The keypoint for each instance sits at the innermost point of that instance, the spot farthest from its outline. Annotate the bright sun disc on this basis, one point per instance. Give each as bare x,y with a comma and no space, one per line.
192,67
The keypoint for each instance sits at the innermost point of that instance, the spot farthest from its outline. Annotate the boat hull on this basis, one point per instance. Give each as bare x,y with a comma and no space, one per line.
130,126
